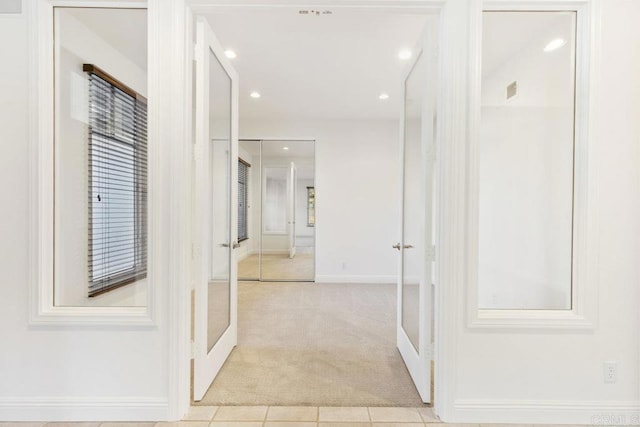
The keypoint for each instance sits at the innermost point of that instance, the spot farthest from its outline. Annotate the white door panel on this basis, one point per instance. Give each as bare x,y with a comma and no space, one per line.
417,142
215,219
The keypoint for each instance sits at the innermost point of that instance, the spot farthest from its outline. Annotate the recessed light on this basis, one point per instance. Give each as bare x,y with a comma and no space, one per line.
285,148
555,45
404,54
230,54
383,96
254,95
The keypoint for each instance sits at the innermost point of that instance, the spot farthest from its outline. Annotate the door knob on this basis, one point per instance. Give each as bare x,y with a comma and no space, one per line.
396,246
408,246
236,245
224,245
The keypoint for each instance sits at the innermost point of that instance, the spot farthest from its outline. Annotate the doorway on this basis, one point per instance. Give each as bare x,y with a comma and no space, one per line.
411,332
276,210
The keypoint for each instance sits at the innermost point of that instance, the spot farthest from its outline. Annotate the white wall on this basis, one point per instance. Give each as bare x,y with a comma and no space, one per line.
356,213
59,372
557,376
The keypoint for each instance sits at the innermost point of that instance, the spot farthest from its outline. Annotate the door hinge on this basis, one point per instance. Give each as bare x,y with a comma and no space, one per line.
192,350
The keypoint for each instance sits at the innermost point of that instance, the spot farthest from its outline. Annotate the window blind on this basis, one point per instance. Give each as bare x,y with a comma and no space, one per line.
117,183
243,199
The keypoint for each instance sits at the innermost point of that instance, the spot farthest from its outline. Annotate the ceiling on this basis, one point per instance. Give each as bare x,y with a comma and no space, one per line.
275,148
318,66
124,29
504,34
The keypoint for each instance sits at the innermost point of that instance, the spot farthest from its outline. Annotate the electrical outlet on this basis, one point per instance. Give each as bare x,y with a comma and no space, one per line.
610,372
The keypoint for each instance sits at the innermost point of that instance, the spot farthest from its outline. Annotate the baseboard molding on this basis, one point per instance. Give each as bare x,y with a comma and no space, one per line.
325,278
546,412
83,409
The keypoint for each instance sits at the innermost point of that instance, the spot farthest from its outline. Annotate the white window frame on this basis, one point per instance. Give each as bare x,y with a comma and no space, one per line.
42,310
583,314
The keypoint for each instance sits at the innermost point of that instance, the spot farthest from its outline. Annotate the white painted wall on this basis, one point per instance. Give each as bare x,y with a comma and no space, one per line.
526,171
59,372
557,376
77,44
357,195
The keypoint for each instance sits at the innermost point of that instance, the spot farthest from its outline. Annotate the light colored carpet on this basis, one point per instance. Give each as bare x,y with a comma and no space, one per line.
317,345
278,267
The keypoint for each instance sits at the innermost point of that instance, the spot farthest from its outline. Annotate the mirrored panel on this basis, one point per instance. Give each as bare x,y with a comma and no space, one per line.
413,220
249,212
288,235
219,291
526,160
100,150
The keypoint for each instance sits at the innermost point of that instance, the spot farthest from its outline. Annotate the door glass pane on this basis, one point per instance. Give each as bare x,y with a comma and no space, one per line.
413,199
249,250
526,160
288,240
219,294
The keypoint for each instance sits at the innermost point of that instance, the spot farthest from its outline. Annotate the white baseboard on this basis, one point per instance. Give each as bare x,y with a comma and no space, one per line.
83,409
326,278
546,412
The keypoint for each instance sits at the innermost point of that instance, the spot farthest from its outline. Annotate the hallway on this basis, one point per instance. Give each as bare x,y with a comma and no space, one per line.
318,345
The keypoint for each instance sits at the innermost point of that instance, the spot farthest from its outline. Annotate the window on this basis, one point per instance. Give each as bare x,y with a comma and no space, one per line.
243,199
311,206
117,183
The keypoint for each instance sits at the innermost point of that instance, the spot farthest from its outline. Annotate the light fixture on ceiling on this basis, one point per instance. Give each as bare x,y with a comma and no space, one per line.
404,54
231,54
383,96
254,94
285,148
555,45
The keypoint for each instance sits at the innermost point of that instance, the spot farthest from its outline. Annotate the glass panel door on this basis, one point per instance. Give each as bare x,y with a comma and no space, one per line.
417,247
215,223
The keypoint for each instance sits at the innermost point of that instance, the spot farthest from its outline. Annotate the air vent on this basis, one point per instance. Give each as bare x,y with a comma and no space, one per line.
10,7
512,90
314,12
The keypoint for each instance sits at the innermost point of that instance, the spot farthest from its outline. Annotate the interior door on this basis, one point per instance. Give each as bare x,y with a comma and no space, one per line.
293,190
416,247
215,229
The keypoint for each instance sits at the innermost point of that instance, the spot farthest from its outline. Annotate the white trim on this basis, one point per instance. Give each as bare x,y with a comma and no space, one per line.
83,408
42,310
546,411
362,279
583,315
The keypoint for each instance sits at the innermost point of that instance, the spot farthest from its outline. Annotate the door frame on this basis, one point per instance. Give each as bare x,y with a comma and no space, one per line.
172,22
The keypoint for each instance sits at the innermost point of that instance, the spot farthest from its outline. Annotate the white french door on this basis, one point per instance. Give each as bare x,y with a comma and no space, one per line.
293,189
215,219
416,247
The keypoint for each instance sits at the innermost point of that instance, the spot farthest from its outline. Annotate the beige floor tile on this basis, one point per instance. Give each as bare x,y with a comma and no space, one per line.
427,415
128,424
184,424
395,415
292,413
236,424
356,424
397,424
200,413
290,424
240,413
347,414
85,424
